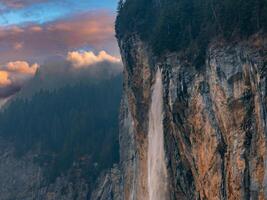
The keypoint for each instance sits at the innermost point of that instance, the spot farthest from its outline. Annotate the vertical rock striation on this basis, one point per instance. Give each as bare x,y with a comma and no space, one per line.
214,125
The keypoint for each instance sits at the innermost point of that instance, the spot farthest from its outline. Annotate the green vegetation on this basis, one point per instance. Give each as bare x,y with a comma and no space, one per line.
189,25
67,125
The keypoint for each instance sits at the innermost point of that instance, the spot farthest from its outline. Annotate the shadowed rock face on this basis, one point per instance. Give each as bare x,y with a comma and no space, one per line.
214,121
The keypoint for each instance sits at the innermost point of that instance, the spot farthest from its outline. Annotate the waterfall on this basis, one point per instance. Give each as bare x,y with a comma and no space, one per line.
157,170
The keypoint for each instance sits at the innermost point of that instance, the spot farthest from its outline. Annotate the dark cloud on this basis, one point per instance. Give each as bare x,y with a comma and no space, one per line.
8,91
53,75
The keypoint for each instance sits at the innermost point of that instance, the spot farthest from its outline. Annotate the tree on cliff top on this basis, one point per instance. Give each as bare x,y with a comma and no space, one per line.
189,25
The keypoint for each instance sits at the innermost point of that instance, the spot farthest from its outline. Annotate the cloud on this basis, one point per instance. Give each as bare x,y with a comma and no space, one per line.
8,91
14,75
87,58
56,74
4,79
75,67
88,31
22,67
18,45
16,4
36,28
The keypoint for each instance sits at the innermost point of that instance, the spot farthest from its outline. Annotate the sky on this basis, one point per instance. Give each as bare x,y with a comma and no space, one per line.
16,12
33,32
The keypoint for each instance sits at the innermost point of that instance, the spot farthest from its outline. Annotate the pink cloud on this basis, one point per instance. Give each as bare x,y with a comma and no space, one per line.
20,3
94,30
36,28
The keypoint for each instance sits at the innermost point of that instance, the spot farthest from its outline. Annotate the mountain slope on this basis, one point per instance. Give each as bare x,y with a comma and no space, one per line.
55,144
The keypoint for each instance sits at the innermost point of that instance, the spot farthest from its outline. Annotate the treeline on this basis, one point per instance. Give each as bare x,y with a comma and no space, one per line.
66,125
189,25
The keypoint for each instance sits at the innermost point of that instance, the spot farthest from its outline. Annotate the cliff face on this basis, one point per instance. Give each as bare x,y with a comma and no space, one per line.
213,122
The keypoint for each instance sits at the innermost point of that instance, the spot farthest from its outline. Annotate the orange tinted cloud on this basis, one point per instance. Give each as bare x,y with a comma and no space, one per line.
4,79
22,67
15,74
94,30
83,59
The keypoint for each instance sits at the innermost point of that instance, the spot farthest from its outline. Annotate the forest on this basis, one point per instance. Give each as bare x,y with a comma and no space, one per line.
189,26
67,124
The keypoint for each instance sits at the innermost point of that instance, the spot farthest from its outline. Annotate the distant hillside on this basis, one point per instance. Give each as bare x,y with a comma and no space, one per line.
64,126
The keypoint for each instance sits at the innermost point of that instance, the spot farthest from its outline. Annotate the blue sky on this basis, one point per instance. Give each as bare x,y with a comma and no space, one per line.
49,10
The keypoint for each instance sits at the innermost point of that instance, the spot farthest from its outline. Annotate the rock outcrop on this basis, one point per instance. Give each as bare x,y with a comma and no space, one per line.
108,185
214,122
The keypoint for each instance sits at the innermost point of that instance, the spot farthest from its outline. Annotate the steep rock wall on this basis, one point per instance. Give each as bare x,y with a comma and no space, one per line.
214,120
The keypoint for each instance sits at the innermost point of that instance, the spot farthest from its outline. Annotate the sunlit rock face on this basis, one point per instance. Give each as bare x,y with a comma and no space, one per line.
213,125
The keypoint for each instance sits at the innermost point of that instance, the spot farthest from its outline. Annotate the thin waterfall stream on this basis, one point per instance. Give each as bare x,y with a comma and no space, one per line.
157,169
